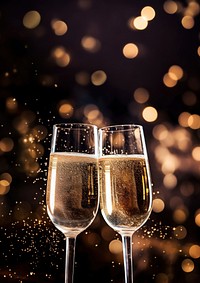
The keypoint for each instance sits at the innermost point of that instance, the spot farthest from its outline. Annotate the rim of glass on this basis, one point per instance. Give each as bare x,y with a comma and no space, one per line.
122,127
74,125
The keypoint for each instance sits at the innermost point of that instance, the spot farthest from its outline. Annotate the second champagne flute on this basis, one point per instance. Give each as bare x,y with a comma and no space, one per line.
125,184
72,186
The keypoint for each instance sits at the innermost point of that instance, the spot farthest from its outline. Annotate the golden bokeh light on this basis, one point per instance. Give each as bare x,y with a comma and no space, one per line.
187,22
11,104
160,132
194,251
194,121
187,189
187,265
4,184
93,115
169,165
197,217
115,247
65,109
180,232
170,181
198,51
161,278
130,50
175,72
183,119
196,153
148,13
150,114
61,56
98,77
180,215
170,7
82,78
6,144
31,19
158,205
193,8
141,95
90,43
140,23
168,81
59,27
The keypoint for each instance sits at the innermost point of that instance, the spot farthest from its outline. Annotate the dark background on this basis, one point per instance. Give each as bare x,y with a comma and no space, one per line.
32,89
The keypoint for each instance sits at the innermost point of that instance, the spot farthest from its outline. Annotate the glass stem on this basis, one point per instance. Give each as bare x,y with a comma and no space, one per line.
128,257
69,259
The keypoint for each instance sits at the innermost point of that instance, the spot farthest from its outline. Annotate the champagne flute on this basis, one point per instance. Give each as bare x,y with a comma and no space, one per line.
72,194
125,184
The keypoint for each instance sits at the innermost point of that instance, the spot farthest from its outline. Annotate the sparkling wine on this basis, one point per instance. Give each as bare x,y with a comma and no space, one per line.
72,191
125,191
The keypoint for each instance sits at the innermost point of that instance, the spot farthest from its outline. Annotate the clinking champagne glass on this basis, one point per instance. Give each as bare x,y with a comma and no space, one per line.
72,194
125,184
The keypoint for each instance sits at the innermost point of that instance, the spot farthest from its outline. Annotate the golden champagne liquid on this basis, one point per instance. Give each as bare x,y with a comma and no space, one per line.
125,191
72,191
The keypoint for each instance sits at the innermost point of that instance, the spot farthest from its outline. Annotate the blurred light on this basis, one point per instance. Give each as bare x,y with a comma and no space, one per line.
180,215
149,114
187,265
160,132
196,153
158,205
183,119
189,98
59,27
169,165
168,81
90,43
175,72
115,247
170,7
170,181
193,8
84,4
92,239
82,78
141,95
6,144
161,153
161,278
7,177
187,22
180,232
107,233
65,109
5,180
93,114
140,23
194,121
98,77
39,132
194,251
197,217
187,189
130,50
198,50
175,202
61,56
88,108
11,104
148,13
31,19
